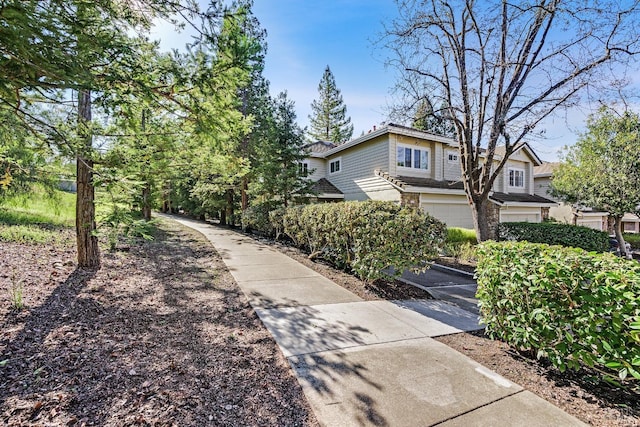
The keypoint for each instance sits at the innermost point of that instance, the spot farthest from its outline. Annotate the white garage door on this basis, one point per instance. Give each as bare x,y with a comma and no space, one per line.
520,218
521,215
595,224
454,214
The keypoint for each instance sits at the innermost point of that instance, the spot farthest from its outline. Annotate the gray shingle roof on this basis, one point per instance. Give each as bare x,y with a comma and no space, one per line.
408,181
323,186
319,146
519,198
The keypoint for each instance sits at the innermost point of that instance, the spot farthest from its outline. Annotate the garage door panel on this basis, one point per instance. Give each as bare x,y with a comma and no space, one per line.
454,215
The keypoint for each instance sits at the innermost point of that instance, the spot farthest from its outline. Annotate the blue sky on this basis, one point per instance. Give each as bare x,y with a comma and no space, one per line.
304,37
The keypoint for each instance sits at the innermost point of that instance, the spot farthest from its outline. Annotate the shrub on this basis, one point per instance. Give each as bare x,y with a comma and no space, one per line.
366,237
633,240
573,307
461,235
555,234
256,218
461,251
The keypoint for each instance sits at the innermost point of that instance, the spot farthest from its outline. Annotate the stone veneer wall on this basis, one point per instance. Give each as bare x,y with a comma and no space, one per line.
544,214
410,199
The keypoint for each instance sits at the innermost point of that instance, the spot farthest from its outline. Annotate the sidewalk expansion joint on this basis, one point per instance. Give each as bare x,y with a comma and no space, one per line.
364,345
476,408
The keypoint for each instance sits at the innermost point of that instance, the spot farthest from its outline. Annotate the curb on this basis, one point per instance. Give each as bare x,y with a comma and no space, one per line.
451,270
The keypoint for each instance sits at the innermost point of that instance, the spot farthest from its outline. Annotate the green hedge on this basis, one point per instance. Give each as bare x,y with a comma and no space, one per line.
573,307
461,235
363,237
633,240
256,218
555,234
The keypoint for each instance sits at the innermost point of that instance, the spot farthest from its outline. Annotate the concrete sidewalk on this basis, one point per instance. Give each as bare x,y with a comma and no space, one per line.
373,363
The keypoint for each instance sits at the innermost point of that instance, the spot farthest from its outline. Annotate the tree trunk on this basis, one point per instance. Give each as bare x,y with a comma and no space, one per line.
229,207
146,190
87,241
617,227
486,217
245,195
146,201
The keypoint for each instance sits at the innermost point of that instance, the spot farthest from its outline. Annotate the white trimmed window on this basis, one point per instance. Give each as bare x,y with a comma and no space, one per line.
304,168
335,165
452,157
516,178
412,158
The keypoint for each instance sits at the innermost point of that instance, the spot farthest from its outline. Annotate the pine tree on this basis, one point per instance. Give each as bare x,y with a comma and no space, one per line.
436,122
329,121
278,174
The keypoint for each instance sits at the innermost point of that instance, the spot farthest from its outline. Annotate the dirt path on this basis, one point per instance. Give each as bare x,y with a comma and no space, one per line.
161,335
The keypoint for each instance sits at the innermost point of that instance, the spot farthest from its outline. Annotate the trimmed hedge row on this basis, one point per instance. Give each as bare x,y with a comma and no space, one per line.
555,234
573,307
365,238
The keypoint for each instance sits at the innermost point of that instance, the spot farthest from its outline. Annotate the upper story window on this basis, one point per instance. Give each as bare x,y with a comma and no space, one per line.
414,158
303,168
452,157
516,178
335,165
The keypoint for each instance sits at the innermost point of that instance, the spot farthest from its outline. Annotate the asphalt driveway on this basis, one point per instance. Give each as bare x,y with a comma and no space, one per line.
448,285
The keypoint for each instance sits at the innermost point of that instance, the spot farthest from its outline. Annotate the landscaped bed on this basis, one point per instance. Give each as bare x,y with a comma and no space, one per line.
578,393
161,335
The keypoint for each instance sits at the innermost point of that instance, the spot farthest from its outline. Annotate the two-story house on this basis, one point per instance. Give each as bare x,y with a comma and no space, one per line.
416,168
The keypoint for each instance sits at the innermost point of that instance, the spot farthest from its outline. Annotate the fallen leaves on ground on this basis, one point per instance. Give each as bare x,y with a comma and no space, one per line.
160,335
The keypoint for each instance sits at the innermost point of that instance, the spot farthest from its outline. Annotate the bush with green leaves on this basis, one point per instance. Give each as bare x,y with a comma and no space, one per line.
366,237
555,234
256,218
461,235
573,307
633,240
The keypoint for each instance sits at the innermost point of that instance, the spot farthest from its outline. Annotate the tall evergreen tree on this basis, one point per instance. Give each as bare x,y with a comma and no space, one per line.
279,178
329,121
426,118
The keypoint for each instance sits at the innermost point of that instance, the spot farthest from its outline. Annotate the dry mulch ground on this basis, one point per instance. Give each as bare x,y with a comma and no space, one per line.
161,335
597,404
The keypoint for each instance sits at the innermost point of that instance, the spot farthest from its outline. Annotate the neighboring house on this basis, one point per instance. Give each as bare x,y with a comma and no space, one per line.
587,217
416,168
631,223
314,167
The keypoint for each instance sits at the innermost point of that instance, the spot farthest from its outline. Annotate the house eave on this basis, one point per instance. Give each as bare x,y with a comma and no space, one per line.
525,204
390,128
429,190
330,196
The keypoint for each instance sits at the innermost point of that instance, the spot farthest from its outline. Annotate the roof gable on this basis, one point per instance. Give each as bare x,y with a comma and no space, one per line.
526,149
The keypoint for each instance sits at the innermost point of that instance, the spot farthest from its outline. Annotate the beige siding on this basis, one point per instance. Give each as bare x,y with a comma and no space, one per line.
528,177
438,161
597,223
453,210
356,178
562,213
394,170
542,187
320,168
451,171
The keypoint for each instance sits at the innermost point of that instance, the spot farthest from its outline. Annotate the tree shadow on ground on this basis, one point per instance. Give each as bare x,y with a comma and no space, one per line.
159,335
